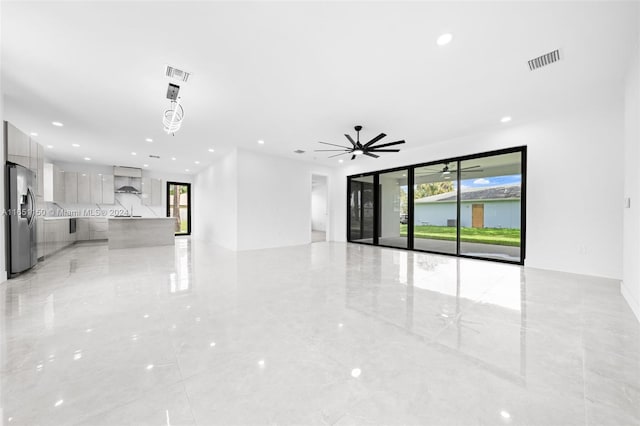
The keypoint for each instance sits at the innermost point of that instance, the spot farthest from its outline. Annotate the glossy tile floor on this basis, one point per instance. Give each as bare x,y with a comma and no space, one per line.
327,334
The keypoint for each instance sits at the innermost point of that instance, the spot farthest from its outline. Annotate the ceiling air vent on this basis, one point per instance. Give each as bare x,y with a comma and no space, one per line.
154,156
177,74
299,151
544,60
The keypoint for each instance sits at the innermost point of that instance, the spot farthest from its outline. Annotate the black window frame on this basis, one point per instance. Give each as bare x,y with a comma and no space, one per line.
168,204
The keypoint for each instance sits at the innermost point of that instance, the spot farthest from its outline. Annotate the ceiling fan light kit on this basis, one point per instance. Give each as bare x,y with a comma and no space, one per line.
358,148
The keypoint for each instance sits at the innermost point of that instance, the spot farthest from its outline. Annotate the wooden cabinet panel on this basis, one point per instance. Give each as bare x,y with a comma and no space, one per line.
108,196
84,188
96,188
156,192
18,146
71,187
58,185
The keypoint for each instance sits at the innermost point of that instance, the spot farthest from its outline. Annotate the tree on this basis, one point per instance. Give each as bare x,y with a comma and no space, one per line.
434,188
175,204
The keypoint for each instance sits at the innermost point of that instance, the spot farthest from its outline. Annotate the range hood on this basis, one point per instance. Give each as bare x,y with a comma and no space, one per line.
127,171
127,189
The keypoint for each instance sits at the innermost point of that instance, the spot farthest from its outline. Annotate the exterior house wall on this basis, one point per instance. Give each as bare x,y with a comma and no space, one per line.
497,214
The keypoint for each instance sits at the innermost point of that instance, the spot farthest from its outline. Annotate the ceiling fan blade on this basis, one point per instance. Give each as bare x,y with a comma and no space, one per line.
387,144
331,156
471,171
371,155
472,167
354,157
326,150
374,140
383,150
351,140
341,146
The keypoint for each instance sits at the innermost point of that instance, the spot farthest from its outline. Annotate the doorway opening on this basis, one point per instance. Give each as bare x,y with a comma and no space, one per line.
179,206
319,210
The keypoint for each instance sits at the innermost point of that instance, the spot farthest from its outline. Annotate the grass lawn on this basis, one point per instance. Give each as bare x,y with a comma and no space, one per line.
498,236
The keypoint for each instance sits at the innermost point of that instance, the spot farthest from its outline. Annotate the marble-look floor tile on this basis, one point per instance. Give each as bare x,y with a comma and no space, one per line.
326,334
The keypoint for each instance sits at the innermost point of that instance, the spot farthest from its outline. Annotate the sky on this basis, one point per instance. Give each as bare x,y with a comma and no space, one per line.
491,181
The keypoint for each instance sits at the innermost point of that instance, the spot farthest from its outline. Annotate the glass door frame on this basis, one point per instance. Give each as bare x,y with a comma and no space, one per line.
168,199
410,195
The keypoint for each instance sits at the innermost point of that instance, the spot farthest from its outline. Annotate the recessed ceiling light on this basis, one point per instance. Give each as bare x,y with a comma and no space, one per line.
133,153
505,119
196,162
173,158
50,146
210,149
57,123
148,140
34,134
186,170
75,145
145,165
444,39
340,161
87,159
261,142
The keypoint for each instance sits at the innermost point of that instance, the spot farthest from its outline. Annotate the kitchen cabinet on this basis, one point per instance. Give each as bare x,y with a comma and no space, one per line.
96,188
40,176
18,146
71,187
151,191
58,185
108,189
84,188
92,228
57,235
82,229
33,155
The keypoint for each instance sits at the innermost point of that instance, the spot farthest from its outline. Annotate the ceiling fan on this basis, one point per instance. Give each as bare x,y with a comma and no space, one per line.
446,171
357,148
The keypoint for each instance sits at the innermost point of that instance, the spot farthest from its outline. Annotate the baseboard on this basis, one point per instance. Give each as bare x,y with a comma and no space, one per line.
633,304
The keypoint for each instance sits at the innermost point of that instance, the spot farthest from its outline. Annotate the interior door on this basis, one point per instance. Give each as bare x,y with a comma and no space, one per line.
179,206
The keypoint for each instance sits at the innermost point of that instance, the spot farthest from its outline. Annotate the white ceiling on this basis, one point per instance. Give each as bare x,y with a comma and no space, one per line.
294,73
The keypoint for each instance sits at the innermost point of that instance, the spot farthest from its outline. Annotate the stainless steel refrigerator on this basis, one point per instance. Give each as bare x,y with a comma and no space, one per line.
21,220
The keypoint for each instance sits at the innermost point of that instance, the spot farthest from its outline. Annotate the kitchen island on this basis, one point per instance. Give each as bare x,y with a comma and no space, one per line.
129,232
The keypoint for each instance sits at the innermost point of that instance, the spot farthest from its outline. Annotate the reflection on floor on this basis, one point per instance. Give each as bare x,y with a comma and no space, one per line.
489,251
325,333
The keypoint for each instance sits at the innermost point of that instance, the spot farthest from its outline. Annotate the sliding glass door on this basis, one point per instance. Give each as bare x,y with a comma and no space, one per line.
472,206
435,211
361,210
490,208
394,214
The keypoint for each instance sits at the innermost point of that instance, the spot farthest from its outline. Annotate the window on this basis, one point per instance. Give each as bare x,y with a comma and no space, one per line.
472,206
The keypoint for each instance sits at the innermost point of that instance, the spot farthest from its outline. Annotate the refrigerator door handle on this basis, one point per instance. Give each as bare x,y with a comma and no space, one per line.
30,208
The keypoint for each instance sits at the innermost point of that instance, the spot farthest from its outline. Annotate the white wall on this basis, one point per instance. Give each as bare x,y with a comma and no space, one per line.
3,266
273,200
574,200
215,215
631,242
319,202
250,201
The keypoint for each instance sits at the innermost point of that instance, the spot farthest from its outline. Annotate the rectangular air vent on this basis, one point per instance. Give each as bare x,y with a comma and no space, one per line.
299,151
177,74
153,156
544,60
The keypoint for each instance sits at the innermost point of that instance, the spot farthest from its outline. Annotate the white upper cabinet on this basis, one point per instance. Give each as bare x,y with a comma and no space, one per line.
96,188
151,191
71,187
84,188
18,146
108,196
